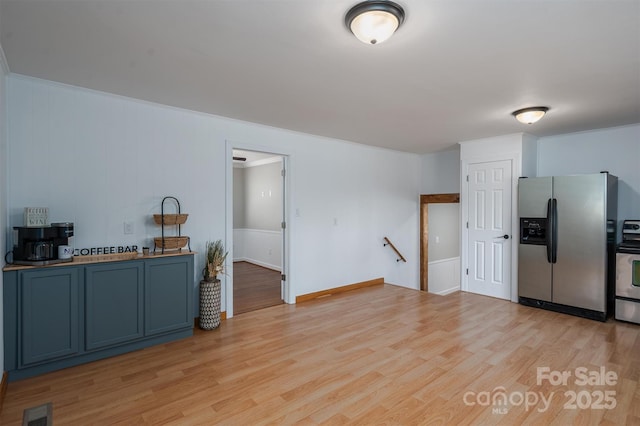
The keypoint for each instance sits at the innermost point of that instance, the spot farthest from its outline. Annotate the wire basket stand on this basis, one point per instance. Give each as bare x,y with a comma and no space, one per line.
175,242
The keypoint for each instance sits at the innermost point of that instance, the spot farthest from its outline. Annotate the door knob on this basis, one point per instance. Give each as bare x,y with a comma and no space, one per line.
505,236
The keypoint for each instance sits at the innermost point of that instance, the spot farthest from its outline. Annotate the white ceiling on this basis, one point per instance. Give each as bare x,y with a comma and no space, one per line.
454,71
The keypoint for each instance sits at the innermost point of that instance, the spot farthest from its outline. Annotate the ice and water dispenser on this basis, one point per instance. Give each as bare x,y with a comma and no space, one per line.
533,231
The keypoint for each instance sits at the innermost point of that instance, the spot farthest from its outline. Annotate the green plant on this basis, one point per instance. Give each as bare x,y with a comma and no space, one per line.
214,261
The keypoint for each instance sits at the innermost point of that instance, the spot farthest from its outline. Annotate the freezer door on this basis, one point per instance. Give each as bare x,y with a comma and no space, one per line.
534,271
580,271
533,194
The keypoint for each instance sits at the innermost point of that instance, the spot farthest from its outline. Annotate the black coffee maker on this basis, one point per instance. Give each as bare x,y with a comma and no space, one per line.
38,245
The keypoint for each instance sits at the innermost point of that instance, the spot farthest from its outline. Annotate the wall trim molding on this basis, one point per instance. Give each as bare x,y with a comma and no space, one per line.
444,276
258,263
261,231
336,290
196,320
451,259
262,247
448,291
3,388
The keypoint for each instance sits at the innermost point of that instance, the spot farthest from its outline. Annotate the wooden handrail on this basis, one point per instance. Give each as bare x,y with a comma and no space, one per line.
389,243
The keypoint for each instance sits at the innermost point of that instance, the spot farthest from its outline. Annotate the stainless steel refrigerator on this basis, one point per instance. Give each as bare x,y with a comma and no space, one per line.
566,255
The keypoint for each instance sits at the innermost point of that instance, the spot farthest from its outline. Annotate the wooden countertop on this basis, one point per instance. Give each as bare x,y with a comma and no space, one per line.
101,258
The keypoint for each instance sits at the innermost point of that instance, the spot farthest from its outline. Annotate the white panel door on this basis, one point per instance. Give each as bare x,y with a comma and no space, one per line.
489,256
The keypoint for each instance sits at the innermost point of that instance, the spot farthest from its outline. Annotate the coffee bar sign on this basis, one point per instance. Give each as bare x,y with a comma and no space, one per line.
105,250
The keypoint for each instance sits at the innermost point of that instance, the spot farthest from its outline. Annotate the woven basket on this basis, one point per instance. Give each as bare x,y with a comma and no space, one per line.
171,219
171,243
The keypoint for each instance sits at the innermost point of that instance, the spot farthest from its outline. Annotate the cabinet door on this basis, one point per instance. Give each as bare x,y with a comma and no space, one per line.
168,294
49,312
113,309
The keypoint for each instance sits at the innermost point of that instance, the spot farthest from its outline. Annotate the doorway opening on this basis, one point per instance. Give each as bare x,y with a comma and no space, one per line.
258,230
427,201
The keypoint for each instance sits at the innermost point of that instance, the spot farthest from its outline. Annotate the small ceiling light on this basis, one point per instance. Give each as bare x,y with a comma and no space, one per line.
373,22
530,115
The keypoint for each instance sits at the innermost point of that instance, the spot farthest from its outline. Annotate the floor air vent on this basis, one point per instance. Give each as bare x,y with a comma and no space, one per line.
42,415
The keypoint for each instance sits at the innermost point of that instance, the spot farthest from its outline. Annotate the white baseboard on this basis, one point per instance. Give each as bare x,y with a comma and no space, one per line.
444,276
257,262
448,291
260,247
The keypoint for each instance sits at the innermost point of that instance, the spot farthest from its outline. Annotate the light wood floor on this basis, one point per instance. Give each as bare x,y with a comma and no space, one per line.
377,355
254,287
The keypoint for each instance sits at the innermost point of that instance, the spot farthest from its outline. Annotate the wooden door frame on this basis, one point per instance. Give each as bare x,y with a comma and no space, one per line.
425,200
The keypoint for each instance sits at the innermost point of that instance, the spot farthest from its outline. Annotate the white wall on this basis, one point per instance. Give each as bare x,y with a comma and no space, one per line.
616,150
444,231
238,198
441,172
258,246
99,160
444,276
4,72
258,238
263,197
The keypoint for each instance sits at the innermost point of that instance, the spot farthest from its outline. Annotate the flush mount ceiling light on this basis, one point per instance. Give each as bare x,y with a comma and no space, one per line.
530,115
373,22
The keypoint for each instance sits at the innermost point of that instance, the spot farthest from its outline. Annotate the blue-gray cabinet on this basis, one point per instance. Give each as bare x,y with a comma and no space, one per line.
166,304
113,303
60,316
49,313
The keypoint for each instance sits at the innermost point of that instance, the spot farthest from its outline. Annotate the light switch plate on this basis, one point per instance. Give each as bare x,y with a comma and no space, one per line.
128,228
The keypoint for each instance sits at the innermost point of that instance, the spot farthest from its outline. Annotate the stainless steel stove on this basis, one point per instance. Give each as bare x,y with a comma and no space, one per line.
628,273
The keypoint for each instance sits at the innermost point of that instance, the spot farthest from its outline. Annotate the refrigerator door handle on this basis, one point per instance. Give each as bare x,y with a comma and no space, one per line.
554,230
549,234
